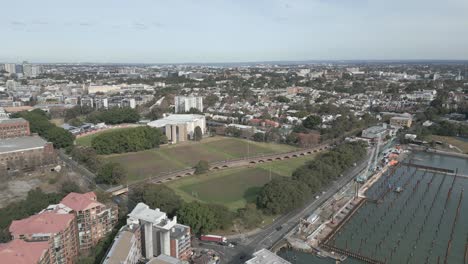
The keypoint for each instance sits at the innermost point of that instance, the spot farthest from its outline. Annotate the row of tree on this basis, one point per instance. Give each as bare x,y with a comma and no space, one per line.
114,115
283,194
111,173
128,140
40,124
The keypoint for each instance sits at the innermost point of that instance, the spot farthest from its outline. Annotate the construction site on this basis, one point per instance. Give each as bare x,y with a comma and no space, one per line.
414,211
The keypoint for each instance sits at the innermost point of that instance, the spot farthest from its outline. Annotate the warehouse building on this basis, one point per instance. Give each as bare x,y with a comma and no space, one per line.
25,154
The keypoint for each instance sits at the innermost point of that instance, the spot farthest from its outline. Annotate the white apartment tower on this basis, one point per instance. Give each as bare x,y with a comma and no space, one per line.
183,104
155,230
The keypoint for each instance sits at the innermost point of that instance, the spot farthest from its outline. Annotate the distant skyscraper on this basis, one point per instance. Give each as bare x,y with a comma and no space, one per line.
183,104
10,68
30,70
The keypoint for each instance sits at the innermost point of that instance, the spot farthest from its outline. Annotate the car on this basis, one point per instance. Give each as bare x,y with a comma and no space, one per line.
279,228
242,256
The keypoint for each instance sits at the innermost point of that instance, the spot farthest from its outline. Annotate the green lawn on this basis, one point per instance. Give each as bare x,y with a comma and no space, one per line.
234,187
144,164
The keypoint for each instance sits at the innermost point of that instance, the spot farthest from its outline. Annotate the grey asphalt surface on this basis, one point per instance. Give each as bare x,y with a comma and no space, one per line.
273,233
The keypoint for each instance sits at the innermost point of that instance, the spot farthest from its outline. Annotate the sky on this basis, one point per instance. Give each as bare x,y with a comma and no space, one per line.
179,31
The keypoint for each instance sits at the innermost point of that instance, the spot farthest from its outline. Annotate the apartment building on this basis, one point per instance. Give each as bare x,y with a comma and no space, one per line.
59,230
20,251
401,121
126,247
149,233
15,127
183,104
95,220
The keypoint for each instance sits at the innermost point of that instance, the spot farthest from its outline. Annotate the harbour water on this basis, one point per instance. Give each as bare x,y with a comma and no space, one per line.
391,215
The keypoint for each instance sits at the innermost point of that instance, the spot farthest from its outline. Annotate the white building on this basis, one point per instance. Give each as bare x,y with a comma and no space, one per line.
265,256
156,227
129,102
183,104
178,128
92,89
10,67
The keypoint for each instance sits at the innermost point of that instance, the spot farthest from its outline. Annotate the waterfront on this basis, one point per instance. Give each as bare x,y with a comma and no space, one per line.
414,226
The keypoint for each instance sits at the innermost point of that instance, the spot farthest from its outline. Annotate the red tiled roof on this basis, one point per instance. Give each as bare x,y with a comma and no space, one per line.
21,252
81,201
47,222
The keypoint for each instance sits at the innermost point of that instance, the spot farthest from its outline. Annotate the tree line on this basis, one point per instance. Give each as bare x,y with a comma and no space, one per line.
39,123
128,140
114,116
284,194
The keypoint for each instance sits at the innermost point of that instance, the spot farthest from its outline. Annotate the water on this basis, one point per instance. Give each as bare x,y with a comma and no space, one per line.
409,227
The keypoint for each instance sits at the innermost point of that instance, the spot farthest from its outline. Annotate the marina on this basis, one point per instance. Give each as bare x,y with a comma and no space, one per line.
413,212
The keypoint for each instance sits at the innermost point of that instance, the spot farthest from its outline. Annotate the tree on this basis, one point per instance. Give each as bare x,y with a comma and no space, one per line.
60,137
282,99
194,110
39,123
114,115
281,195
250,216
202,167
68,187
198,216
259,137
233,131
311,122
210,100
198,134
111,173
162,197
128,140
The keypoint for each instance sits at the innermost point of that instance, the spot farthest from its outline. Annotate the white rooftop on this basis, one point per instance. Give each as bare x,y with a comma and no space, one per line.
175,119
143,212
265,256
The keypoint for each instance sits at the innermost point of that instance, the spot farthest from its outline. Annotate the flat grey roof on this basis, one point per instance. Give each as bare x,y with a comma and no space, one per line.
120,248
265,256
175,119
165,259
12,120
21,143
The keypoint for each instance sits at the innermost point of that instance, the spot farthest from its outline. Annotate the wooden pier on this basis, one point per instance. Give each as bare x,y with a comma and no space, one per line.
351,254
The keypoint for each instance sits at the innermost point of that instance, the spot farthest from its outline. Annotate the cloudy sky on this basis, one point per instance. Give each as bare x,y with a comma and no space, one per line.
175,31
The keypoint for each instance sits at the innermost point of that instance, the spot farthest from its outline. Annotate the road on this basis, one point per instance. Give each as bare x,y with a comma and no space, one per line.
284,224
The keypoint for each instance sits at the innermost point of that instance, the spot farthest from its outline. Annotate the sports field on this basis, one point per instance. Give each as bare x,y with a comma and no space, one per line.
144,164
234,187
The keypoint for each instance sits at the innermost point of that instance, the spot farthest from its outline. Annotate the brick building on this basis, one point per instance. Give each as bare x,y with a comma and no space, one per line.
15,127
58,229
21,252
95,220
25,154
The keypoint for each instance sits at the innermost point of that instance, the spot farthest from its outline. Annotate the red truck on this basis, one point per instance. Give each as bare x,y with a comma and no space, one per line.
213,238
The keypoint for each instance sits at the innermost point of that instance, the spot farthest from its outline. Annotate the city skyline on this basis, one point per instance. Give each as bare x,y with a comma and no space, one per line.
233,31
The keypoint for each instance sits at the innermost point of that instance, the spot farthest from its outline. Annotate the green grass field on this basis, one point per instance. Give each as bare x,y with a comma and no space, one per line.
234,187
144,164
